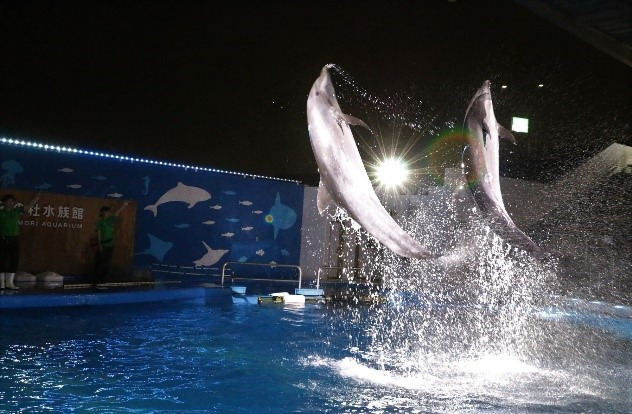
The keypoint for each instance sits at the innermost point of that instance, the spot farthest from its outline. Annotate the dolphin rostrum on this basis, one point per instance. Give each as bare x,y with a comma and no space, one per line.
343,178
481,167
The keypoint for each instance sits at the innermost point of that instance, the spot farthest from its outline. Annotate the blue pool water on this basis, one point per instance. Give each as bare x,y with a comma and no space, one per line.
243,358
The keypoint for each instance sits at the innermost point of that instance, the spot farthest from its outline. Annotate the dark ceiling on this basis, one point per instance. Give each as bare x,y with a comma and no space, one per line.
605,24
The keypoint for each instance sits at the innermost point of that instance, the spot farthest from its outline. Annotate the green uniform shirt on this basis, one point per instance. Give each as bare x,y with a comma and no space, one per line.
105,227
10,222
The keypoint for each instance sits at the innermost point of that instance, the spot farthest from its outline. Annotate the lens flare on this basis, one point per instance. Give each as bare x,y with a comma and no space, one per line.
392,172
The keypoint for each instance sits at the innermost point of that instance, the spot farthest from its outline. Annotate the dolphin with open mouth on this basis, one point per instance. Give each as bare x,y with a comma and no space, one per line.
343,179
480,165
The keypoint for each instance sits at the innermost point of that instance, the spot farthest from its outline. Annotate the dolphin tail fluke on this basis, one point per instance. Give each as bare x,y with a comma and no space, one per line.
323,198
517,238
153,208
423,254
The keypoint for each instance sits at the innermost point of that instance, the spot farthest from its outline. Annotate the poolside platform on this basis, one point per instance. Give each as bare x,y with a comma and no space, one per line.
208,287
74,295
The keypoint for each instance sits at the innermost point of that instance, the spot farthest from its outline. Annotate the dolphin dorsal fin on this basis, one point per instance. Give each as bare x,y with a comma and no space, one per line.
323,198
504,133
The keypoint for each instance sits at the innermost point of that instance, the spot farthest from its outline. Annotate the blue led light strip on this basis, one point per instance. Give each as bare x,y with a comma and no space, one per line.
70,150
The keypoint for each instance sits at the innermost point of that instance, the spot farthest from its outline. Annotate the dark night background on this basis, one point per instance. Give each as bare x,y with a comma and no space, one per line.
224,84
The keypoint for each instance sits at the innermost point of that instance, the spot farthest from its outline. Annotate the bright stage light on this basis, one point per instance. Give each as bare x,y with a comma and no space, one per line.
392,172
519,124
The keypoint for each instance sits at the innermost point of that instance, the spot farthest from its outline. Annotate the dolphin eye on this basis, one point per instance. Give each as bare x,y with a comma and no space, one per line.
317,93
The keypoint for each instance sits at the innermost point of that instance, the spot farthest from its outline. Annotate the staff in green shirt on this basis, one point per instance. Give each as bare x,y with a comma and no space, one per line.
104,229
9,238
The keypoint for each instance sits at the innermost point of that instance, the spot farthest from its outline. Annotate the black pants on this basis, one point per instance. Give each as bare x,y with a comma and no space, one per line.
102,264
9,254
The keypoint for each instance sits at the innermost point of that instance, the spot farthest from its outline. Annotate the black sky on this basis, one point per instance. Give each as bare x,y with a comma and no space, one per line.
225,84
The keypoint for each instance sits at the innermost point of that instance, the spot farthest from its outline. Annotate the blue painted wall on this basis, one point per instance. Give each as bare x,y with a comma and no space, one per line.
184,217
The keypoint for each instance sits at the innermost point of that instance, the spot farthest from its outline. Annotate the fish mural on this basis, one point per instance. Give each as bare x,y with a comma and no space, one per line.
242,259
210,257
11,169
343,179
180,193
280,216
260,252
481,170
168,233
157,248
284,252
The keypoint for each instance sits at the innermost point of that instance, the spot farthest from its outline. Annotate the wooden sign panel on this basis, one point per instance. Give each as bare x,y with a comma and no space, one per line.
55,235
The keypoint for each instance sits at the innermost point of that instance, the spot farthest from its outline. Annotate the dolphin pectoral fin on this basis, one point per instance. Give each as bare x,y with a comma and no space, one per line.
505,134
352,120
323,198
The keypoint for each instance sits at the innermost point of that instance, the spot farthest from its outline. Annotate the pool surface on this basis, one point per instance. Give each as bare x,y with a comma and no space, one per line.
193,357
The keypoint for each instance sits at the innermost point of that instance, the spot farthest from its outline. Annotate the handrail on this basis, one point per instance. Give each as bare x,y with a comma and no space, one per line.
300,271
331,268
182,270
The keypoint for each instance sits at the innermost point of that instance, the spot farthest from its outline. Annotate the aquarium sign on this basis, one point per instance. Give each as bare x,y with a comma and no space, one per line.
519,124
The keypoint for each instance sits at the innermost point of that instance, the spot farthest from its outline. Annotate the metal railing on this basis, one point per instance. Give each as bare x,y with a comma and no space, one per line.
183,270
320,269
272,266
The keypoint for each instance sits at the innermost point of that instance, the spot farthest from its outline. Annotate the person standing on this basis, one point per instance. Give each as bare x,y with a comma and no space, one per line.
104,229
9,238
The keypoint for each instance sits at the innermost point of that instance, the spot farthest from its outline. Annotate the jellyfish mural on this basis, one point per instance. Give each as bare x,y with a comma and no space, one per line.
11,168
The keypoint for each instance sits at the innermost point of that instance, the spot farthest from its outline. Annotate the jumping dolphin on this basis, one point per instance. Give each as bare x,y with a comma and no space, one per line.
480,165
343,178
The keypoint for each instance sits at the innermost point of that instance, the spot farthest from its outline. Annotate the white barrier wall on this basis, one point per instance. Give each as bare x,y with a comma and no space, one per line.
315,236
